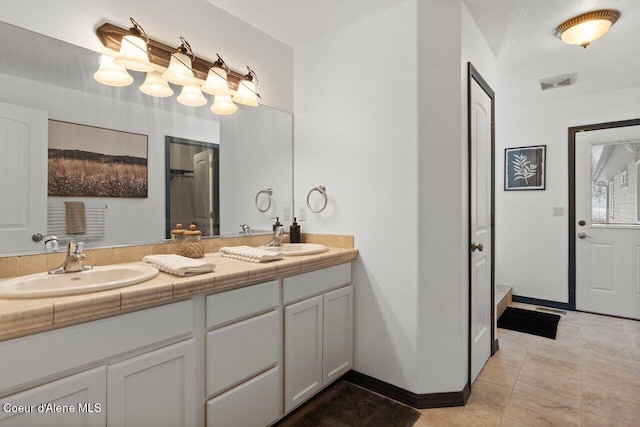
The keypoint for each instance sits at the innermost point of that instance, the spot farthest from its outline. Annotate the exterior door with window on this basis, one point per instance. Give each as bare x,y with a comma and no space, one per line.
607,229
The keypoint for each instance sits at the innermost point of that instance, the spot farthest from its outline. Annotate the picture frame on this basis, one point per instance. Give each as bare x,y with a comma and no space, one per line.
90,161
525,168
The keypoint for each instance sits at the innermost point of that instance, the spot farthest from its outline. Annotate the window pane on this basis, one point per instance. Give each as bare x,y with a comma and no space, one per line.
614,173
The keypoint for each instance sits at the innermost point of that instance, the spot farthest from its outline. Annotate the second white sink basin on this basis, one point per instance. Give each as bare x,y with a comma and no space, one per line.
99,279
295,249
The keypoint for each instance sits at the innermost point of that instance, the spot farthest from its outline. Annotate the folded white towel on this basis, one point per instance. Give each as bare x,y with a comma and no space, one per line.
179,265
249,253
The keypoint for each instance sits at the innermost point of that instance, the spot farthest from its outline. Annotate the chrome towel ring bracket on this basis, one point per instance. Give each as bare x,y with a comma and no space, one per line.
323,192
267,192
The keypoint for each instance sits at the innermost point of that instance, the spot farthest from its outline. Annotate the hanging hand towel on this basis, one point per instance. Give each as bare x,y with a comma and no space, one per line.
76,221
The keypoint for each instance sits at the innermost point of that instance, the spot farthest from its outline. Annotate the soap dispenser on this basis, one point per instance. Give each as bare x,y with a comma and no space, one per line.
277,223
294,232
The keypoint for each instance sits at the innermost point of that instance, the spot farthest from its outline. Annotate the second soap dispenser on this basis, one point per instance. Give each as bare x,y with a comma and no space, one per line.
294,232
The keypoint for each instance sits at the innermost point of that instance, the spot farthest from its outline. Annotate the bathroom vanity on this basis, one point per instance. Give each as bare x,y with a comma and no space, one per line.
243,345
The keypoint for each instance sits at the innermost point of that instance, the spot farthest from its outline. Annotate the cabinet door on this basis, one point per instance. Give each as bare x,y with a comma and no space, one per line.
154,389
302,351
337,342
84,394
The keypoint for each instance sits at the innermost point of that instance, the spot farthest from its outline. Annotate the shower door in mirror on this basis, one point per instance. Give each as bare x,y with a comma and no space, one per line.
608,221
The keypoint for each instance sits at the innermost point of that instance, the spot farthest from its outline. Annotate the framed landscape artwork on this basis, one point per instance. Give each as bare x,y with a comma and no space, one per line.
87,161
524,168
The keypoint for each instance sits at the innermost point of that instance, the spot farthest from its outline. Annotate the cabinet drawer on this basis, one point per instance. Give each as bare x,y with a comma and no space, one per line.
316,282
232,305
255,403
241,350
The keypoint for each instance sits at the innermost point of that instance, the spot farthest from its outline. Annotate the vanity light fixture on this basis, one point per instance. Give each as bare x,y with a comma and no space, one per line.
223,105
177,66
584,29
246,94
111,74
216,83
192,96
133,50
179,71
155,85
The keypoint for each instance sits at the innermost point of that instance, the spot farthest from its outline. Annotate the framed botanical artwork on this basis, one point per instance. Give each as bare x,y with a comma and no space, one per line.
524,168
88,161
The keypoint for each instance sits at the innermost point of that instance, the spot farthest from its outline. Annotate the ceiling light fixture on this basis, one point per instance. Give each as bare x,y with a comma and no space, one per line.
178,66
584,29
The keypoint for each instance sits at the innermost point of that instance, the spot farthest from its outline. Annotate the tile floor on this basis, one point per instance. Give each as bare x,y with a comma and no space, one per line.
588,376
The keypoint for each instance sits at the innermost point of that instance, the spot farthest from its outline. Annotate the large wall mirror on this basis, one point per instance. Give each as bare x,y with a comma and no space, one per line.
44,80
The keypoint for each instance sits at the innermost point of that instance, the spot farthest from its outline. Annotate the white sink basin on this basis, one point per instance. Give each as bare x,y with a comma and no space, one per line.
296,249
99,279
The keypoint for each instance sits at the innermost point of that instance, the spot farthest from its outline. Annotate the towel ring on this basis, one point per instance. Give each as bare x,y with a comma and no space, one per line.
268,192
323,191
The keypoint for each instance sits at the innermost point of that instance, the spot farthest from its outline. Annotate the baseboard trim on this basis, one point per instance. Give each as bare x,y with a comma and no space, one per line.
418,401
542,302
495,346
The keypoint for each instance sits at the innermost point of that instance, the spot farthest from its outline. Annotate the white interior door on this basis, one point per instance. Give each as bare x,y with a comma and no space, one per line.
203,171
608,221
23,177
480,211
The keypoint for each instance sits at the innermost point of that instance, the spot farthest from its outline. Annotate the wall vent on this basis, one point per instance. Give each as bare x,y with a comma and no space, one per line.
557,81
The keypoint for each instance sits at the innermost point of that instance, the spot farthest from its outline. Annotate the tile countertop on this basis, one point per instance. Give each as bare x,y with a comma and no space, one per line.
19,317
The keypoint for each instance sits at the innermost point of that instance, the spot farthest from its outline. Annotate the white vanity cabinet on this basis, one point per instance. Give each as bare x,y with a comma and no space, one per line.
154,389
130,372
84,394
244,356
318,324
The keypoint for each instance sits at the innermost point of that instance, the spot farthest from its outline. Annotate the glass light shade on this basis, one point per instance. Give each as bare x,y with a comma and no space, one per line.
216,83
111,74
192,96
584,33
179,71
155,85
223,105
133,54
246,94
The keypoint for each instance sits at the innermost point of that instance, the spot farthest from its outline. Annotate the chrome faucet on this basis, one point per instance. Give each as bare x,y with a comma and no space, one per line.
246,229
74,261
278,236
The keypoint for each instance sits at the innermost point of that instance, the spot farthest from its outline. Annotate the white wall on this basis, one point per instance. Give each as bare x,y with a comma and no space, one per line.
532,245
355,132
443,177
380,113
256,154
127,220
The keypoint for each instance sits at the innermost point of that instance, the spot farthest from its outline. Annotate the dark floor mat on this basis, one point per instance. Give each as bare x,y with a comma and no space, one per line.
529,322
347,405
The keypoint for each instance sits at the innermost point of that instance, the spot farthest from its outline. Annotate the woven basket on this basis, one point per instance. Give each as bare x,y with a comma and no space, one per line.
192,249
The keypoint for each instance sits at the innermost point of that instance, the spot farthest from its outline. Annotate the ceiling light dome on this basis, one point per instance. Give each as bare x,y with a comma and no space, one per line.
584,29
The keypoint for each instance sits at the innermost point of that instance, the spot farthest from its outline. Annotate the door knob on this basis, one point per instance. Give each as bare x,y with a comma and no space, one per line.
478,247
582,236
